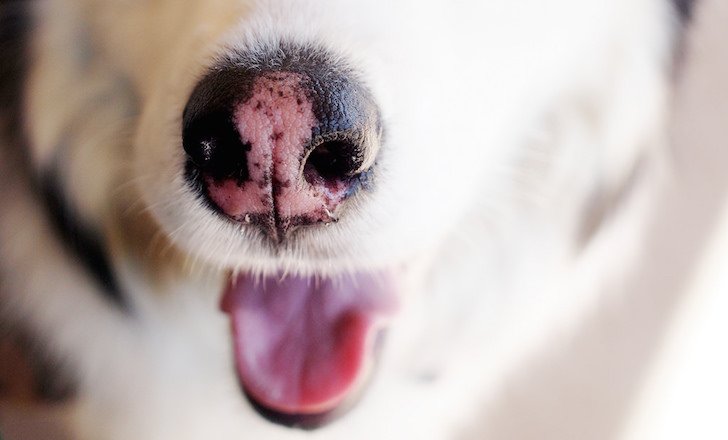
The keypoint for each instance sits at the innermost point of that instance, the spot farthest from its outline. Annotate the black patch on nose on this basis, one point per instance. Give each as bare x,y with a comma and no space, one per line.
213,144
209,135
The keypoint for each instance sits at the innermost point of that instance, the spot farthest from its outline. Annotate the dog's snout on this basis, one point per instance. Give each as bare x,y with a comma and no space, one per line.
283,146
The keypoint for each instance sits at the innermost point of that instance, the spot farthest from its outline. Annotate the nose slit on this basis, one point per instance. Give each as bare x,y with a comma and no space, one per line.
248,133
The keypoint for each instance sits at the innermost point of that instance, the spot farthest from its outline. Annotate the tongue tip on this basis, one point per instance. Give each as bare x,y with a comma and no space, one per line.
302,348
320,386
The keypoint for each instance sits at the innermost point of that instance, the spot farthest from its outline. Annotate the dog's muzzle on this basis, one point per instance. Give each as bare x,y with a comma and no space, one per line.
276,144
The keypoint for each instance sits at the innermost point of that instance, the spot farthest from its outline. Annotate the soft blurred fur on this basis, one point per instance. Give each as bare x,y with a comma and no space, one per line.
521,137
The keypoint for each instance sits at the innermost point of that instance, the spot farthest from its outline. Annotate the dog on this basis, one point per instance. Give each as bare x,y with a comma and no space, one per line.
257,218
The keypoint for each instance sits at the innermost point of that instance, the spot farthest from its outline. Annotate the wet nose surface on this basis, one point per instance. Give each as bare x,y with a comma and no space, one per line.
280,148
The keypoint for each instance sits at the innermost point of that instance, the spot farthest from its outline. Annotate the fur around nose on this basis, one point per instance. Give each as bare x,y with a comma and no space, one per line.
280,148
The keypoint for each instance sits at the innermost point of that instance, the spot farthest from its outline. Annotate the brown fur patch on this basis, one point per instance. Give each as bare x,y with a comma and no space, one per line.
27,376
135,233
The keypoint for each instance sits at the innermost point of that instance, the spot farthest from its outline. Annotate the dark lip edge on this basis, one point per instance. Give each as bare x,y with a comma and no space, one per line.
306,422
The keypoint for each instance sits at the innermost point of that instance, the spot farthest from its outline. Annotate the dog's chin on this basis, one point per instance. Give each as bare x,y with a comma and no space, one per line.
305,345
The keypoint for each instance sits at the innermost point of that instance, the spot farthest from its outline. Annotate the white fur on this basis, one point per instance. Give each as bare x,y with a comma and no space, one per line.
504,120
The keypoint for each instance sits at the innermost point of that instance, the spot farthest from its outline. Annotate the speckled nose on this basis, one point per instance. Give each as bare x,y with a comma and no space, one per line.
280,148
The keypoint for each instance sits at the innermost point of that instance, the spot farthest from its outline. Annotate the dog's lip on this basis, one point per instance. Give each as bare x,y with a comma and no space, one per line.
304,346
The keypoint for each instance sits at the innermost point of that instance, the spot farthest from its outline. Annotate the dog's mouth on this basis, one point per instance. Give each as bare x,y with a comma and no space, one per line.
304,345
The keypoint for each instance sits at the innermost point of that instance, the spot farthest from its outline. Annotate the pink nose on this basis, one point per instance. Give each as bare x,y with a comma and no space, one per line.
280,148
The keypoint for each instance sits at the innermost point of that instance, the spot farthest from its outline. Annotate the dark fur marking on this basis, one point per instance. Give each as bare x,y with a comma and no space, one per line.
14,24
30,372
51,381
83,241
685,8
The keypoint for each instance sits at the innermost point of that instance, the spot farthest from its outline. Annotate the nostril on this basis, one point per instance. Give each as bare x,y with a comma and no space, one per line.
212,142
331,161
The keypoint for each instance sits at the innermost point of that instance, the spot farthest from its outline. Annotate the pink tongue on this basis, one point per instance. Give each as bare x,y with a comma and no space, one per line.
303,343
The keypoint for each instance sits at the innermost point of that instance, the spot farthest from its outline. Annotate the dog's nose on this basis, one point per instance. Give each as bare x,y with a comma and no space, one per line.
281,147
